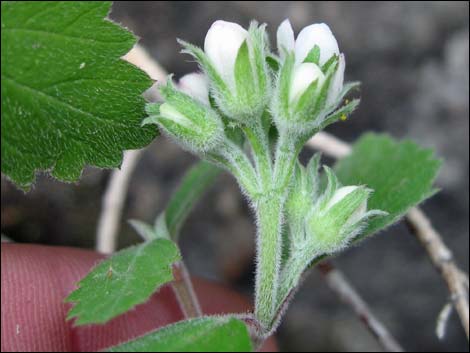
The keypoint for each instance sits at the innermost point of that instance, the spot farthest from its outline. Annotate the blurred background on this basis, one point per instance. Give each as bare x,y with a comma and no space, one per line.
413,61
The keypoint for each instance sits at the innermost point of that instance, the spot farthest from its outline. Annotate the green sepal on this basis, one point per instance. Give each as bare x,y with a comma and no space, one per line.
313,56
246,86
328,230
193,124
281,99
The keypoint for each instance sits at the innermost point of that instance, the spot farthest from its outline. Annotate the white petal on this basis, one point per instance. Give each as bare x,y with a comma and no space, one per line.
316,34
285,38
221,46
196,85
340,194
304,75
336,82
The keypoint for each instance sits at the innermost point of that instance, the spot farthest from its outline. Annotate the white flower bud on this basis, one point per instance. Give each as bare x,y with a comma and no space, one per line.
316,34
285,38
304,75
196,126
200,130
313,57
195,85
222,42
337,81
340,194
331,226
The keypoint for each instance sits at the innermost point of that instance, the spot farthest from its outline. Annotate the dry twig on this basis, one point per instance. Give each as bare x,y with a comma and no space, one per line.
442,259
339,284
116,191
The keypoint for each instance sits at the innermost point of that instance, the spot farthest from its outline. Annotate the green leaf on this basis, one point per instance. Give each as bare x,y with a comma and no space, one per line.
68,100
122,281
207,334
400,173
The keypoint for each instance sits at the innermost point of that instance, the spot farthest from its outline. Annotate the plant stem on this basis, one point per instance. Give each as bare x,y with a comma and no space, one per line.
184,291
269,214
269,211
193,185
236,161
292,272
261,152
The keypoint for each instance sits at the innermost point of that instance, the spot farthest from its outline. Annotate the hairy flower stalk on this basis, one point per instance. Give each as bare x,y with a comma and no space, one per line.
276,108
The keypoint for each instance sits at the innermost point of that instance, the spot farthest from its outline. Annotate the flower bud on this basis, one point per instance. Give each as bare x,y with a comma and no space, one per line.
285,38
304,75
222,43
195,85
332,226
318,34
337,81
340,194
194,125
234,60
310,84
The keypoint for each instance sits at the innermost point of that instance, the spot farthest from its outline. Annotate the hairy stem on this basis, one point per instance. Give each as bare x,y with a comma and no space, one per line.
290,277
261,152
237,163
269,214
269,211
184,291
193,185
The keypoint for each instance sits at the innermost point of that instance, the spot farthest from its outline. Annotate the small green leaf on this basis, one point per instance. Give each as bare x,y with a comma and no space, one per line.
68,99
207,334
122,281
400,173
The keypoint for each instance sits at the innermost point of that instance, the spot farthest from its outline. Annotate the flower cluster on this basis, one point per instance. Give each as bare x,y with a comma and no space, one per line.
246,95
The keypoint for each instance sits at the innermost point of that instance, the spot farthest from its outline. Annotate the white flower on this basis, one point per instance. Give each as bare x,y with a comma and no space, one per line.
222,42
195,85
304,75
340,194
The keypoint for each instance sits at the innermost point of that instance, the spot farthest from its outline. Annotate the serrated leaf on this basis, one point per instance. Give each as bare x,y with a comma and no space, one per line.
68,99
122,281
207,334
400,173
